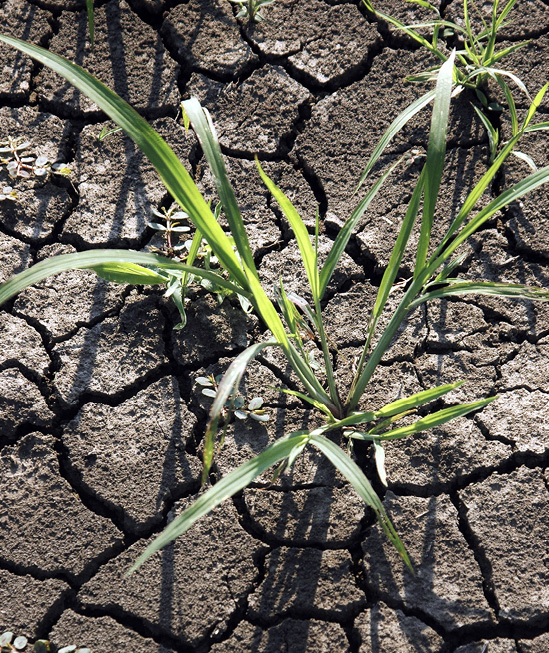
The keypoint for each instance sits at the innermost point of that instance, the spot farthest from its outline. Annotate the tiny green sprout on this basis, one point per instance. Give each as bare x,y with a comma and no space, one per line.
107,131
250,9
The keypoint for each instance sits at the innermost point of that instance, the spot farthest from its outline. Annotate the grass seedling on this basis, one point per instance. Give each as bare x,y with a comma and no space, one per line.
293,320
476,61
251,9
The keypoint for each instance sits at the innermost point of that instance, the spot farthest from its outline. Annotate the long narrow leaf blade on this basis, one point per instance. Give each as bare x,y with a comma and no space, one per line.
225,488
100,257
513,291
176,179
352,472
513,193
300,231
91,22
431,421
393,266
345,233
207,137
436,151
393,129
414,401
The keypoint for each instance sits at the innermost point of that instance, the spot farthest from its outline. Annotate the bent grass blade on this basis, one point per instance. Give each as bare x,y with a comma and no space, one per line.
172,172
110,263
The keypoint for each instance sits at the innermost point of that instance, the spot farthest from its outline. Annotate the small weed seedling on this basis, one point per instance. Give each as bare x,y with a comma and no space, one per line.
10,644
20,163
251,9
297,324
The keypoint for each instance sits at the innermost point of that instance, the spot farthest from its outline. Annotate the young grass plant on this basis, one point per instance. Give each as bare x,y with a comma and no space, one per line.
343,415
477,61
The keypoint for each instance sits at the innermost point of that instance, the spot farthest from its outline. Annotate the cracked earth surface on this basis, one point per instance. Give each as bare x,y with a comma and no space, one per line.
100,419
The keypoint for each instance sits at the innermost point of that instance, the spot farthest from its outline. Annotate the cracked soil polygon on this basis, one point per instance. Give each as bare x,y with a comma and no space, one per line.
509,514
51,530
391,631
128,56
132,456
447,585
190,589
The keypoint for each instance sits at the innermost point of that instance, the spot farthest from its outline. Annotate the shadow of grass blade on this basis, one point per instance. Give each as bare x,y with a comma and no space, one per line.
225,488
230,381
99,258
173,174
352,472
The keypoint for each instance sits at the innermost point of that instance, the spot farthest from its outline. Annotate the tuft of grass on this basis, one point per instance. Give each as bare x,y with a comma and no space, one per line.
292,319
477,59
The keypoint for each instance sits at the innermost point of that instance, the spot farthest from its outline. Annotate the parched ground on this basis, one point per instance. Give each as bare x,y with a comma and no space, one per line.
100,416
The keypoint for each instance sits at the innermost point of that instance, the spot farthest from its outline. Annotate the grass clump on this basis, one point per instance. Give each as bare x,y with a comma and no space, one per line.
477,60
434,277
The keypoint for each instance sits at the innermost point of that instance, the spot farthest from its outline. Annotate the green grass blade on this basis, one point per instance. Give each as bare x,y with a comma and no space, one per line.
91,22
504,13
510,103
513,193
414,401
393,129
406,29
225,488
191,256
230,381
100,258
501,54
352,472
436,151
431,421
173,174
207,137
346,231
535,105
393,266
540,126
474,196
128,273
515,291
306,249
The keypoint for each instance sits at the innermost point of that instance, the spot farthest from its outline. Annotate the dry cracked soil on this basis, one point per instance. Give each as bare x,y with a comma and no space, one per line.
100,416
